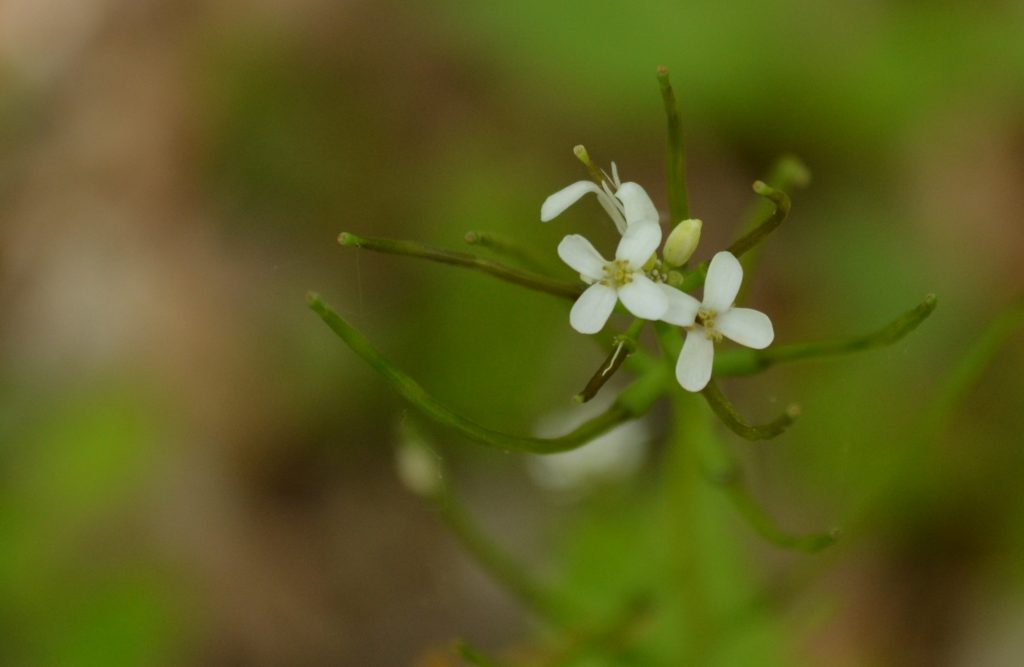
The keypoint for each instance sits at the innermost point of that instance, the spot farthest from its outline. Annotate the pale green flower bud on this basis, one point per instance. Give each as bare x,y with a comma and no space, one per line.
682,242
418,468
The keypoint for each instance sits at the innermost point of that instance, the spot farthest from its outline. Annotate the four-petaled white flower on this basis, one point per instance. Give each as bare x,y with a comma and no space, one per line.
706,322
625,280
622,279
629,202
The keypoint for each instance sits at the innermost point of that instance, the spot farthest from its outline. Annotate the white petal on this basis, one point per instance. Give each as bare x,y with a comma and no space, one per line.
610,207
723,282
592,309
639,243
693,370
578,253
644,298
564,198
639,206
682,308
746,326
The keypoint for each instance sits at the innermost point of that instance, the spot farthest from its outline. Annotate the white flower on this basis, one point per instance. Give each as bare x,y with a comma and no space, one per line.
622,279
706,322
628,204
636,218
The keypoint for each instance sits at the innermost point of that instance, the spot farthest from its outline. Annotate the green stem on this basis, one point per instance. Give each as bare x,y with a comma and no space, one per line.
968,371
495,561
623,346
634,401
732,418
678,200
916,458
506,247
748,241
782,206
730,480
746,361
787,173
501,271
689,427
671,343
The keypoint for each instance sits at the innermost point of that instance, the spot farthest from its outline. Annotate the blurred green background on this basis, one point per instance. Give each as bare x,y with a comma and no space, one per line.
193,470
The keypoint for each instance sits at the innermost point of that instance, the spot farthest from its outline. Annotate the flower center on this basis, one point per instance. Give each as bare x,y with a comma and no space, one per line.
706,318
617,274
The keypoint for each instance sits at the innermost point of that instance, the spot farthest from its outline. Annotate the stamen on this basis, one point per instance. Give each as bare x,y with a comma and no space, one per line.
617,273
713,335
615,200
706,319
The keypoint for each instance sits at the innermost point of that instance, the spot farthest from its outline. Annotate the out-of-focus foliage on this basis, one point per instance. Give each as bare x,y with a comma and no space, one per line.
76,587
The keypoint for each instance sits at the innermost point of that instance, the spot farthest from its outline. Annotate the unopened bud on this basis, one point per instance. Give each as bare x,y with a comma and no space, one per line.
418,468
682,242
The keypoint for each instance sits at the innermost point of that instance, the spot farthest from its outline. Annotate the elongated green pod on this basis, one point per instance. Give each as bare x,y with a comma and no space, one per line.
506,247
675,161
632,403
498,270
731,417
748,241
746,361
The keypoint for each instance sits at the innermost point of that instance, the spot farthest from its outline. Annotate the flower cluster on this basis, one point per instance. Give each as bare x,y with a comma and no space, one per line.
637,278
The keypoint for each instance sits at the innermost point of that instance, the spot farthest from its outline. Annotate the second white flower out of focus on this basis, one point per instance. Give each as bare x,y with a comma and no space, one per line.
622,279
706,322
